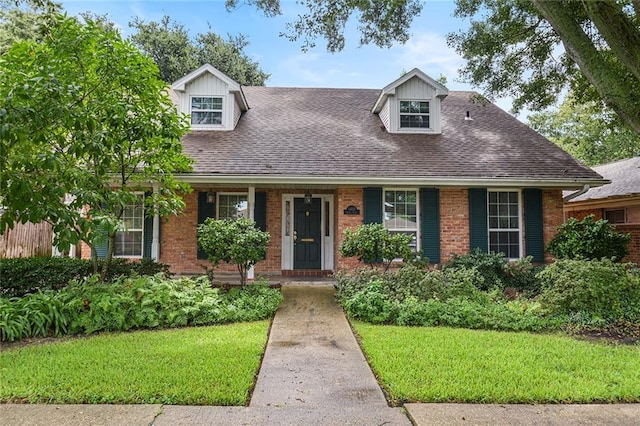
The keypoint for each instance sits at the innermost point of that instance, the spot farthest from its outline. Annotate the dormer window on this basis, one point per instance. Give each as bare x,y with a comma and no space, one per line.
206,111
414,114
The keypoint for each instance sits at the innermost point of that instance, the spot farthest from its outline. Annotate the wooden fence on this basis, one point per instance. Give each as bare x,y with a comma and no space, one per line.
26,240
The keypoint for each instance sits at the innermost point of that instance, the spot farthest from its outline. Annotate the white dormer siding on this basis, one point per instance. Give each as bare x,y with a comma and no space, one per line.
412,104
213,100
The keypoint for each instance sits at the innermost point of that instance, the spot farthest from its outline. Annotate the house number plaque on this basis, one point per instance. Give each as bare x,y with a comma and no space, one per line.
351,210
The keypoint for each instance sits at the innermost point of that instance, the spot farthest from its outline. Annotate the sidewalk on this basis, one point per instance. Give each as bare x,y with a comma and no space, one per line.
313,373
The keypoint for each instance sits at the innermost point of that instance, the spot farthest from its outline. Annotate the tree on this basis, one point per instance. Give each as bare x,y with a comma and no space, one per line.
374,244
22,23
533,50
84,125
528,50
238,242
176,54
589,239
589,131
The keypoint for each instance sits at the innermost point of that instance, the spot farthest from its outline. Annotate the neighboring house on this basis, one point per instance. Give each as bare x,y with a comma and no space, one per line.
308,163
618,202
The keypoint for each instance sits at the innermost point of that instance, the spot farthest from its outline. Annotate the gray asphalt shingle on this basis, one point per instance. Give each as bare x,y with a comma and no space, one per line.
332,132
624,176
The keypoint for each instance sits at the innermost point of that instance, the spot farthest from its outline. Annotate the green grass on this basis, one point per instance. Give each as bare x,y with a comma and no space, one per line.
213,365
456,365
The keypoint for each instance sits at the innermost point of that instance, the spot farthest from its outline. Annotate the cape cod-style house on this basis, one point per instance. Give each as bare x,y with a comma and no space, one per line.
308,163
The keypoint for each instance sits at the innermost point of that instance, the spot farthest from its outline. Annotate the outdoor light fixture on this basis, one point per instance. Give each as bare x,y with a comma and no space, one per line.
307,197
211,197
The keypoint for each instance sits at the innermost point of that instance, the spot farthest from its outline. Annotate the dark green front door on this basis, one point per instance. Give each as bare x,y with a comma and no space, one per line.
307,247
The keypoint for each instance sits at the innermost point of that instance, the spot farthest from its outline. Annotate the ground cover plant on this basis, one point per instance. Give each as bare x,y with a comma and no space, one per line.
579,296
131,303
213,365
439,364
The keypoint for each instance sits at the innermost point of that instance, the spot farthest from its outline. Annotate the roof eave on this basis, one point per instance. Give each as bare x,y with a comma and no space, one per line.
248,179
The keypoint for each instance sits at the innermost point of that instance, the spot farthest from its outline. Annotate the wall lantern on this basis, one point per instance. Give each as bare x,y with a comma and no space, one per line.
211,197
308,197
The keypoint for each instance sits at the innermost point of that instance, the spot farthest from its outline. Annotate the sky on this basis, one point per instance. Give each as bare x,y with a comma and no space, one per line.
356,66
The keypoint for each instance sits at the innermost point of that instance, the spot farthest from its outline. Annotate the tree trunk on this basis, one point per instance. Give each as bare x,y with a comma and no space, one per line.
608,81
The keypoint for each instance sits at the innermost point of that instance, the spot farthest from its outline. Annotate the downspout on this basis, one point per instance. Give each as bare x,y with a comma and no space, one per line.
573,195
570,197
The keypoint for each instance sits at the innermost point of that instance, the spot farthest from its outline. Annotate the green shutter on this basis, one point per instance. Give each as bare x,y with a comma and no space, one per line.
148,231
205,210
430,226
260,210
478,227
372,205
101,249
533,224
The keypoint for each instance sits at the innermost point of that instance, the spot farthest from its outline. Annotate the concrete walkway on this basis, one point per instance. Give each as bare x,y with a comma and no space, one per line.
313,373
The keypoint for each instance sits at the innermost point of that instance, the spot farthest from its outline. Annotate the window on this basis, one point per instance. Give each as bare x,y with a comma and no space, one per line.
615,216
128,243
504,223
206,110
401,214
414,114
232,206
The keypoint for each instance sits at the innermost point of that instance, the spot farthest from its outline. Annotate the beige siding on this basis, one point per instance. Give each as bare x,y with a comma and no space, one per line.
385,115
415,89
209,85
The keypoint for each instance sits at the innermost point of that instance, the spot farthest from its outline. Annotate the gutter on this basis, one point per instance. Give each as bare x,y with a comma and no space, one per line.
289,180
573,195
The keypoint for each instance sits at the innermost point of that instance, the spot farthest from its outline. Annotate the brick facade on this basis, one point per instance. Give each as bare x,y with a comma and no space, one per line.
454,222
178,246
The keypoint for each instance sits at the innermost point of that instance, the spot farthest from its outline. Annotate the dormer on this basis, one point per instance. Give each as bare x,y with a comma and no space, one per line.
411,104
213,100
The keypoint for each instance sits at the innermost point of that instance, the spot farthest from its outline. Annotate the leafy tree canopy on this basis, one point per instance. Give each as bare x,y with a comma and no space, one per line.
85,124
589,131
533,50
22,23
169,44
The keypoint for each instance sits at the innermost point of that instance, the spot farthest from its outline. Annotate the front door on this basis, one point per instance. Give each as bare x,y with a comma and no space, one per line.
307,234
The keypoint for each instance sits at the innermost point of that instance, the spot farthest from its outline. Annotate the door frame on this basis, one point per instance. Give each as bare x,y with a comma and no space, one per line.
327,230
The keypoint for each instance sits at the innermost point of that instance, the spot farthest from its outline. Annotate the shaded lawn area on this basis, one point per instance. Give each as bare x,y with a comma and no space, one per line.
421,364
213,365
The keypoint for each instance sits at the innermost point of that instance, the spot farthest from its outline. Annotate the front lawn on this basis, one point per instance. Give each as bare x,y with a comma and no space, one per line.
213,365
441,364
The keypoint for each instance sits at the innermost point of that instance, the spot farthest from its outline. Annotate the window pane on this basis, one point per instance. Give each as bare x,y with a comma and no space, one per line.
615,216
208,117
206,103
504,223
233,206
414,121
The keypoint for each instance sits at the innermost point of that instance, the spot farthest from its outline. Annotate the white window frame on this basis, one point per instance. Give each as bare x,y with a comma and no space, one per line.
221,111
418,218
141,230
417,114
520,228
221,194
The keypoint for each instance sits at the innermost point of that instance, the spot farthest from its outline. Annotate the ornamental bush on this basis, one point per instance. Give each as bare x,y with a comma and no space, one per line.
238,242
597,290
374,244
589,239
28,275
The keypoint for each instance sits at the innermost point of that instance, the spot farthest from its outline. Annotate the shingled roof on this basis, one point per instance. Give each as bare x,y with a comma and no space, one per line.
308,132
625,180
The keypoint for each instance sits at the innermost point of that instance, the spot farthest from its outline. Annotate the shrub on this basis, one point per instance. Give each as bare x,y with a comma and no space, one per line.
589,239
596,290
132,303
233,241
492,267
32,274
374,244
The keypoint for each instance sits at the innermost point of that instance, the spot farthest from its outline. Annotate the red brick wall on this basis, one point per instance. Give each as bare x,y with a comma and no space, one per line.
178,246
346,197
454,222
552,213
581,214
